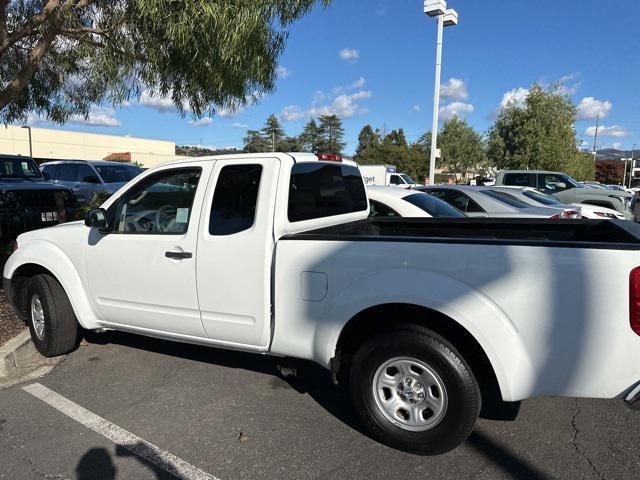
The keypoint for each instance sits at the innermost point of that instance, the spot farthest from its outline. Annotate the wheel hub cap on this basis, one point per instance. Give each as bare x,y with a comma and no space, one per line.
37,316
410,394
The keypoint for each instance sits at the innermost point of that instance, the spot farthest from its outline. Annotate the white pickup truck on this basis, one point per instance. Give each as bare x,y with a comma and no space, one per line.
423,319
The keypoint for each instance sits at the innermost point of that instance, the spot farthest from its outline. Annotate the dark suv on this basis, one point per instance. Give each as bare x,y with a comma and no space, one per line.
27,200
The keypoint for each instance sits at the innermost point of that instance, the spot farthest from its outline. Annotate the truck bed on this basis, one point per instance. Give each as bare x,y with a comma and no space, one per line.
602,234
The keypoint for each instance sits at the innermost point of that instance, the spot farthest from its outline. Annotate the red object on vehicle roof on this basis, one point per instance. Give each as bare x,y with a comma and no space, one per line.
330,157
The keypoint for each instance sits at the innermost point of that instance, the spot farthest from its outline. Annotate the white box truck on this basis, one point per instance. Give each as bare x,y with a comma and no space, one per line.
385,176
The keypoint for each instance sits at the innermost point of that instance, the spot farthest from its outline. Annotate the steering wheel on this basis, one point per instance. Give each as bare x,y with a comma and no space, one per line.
166,218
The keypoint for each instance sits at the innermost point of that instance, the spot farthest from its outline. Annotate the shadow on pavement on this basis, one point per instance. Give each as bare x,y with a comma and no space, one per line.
97,464
508,462
303,376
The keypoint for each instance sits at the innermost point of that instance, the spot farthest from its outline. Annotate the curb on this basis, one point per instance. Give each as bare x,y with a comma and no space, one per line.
18,353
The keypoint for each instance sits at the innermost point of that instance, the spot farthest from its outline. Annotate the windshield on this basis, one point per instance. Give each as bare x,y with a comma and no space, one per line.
17,167
505,198
542,198
408,179
118,173
434,206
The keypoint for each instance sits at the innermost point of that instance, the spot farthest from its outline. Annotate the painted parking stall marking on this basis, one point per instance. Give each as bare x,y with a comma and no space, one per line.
117,435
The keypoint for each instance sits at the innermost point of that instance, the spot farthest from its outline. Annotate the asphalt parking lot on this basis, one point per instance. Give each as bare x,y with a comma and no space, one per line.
232,416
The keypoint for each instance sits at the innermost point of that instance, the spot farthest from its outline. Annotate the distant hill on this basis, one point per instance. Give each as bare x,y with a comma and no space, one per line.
613,154
197,151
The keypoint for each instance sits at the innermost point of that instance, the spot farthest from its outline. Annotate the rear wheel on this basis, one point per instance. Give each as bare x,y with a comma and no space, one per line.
414,392
52,322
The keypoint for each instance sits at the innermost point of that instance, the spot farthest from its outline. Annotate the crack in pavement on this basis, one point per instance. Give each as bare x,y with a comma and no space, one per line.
576,447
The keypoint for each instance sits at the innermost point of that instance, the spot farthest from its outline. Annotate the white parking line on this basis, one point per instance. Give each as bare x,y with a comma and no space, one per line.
117,435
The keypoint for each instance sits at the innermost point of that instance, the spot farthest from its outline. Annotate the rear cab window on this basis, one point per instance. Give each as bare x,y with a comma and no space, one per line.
320,190
520,179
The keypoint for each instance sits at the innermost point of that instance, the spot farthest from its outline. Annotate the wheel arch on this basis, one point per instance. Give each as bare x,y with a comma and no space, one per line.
45,258
375,320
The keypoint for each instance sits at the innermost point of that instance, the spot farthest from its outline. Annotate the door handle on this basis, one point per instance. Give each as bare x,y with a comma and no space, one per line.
178,255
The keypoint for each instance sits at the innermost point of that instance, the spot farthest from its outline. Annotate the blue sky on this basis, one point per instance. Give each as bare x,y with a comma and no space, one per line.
372,62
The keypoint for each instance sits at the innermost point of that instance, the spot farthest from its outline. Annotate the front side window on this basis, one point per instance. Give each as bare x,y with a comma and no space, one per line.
551,183
235,199
160,204
395,180
319,190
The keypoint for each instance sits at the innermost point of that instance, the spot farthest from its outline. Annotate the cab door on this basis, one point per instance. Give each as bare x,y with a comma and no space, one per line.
142,274
235,249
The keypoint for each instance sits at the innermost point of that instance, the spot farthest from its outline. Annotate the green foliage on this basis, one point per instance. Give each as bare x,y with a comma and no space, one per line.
57,58
197,151
581,166
368,141
331,135
254,142
462,148
273,133
311,137
538,135
96,201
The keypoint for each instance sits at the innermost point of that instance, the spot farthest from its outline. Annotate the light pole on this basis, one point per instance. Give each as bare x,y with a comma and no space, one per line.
446,18
633,152
30,144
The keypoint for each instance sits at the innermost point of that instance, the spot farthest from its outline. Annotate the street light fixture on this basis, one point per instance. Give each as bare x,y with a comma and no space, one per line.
446,18
30,144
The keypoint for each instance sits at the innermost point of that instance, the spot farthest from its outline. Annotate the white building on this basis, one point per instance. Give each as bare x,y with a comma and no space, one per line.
50,144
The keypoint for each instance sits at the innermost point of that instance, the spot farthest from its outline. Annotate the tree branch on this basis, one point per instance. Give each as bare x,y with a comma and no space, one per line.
15,88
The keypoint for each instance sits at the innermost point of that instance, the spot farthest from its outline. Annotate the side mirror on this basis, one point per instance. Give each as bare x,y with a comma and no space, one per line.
91,179
96,218
46,175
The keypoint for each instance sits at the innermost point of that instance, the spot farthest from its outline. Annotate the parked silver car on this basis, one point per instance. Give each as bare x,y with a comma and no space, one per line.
86,178
486,202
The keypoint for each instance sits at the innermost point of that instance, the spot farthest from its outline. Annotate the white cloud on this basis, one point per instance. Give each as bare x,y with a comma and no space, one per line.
416,108
349,54
156,101
98,117
569,84
358,83
456,109
515,97
293,113
240,126
454,90
339,90
617,146
318,97
202,122
164,104
283,72
590,108
615,131
343,106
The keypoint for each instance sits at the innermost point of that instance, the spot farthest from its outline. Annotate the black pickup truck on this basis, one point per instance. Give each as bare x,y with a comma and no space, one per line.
27,200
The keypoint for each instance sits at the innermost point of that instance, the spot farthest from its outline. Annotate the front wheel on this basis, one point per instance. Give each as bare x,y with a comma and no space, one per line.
414,391
52,323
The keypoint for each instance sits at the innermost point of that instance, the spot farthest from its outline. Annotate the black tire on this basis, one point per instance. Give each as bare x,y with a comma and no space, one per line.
60,333
462,391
